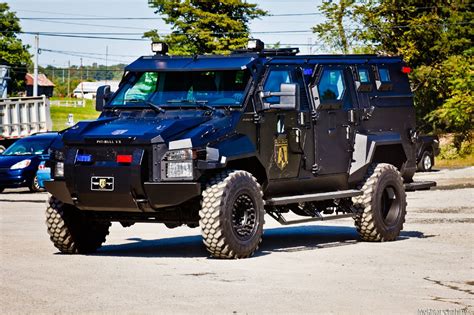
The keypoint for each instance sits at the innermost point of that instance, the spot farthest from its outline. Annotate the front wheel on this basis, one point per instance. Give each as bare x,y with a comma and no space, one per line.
232,215
382,207
71,231
34,185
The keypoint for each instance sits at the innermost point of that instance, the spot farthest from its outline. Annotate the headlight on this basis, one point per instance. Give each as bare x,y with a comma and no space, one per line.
20,165
179,155
182,169
59,169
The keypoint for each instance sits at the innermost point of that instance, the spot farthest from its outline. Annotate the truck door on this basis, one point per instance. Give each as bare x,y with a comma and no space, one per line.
278,131
333,131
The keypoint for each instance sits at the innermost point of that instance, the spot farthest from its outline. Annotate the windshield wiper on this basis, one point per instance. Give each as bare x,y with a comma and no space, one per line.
156,108
199,103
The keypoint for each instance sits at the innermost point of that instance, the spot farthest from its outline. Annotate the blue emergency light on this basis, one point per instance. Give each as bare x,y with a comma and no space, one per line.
84,158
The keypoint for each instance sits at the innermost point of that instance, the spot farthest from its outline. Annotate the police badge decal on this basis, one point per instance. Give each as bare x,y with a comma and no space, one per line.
281,152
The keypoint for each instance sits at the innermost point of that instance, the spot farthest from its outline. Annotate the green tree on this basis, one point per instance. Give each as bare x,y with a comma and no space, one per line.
335,31
205,26
12,51
434,38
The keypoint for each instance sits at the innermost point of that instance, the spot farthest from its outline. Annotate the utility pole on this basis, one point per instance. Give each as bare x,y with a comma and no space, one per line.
35,75
106,62
68,78
82,83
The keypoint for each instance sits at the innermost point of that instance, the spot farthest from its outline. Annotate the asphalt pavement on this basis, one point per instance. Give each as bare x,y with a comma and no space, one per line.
309,268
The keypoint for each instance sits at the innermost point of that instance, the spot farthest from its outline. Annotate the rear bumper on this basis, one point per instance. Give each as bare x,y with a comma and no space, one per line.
157,195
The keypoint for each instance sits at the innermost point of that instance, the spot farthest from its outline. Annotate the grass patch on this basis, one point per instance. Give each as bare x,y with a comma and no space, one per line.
59,114
457,162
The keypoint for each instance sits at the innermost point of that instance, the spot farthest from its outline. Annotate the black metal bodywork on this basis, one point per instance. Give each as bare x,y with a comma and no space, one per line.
316,147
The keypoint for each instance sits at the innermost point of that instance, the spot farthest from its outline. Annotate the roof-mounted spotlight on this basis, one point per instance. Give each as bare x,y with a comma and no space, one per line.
255,45
159,48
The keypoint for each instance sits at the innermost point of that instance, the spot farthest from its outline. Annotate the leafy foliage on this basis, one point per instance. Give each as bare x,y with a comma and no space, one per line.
434,38
205,26
12,52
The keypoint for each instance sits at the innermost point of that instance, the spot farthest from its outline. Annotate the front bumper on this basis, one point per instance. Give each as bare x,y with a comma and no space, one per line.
14,178
157,195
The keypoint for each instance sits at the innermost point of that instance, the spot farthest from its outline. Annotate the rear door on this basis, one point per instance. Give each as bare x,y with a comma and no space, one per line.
333,133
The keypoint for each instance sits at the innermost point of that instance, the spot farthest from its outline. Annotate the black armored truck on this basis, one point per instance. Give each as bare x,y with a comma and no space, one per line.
217,142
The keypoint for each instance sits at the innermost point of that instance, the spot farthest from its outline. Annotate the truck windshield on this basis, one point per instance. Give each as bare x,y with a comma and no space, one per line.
167,89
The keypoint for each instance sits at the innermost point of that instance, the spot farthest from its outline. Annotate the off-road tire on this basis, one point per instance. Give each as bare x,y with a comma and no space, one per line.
34,185
426,162
228,197
381,209
71,231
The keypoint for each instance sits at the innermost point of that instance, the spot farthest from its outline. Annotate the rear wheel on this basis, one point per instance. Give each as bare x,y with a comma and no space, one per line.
426,162
73,232
382,207
232,215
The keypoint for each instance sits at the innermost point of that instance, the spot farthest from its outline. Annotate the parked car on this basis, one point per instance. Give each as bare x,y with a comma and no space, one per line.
427,147
19,163
43,173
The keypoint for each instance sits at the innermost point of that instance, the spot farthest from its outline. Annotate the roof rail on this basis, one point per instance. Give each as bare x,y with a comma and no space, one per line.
269,52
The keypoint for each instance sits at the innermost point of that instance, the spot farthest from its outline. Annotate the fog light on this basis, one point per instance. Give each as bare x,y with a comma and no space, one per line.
179,169
59,169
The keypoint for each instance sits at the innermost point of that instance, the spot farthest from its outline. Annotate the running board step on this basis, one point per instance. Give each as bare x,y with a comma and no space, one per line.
419,186
313,197
282,220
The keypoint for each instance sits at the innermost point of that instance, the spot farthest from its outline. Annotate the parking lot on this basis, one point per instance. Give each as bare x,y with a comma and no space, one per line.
310,268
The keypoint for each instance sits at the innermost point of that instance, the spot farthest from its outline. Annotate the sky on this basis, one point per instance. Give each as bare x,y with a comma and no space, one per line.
119,51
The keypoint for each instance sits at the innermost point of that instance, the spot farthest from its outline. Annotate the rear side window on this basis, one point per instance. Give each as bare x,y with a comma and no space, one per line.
382,79
331,86
364,76
384,75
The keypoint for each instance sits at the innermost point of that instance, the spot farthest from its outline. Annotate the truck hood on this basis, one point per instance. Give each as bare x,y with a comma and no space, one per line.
137,128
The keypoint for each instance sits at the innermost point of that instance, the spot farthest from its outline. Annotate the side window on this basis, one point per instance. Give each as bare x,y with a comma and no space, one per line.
274,80
331,85
384,75
362,80
382,79
364,76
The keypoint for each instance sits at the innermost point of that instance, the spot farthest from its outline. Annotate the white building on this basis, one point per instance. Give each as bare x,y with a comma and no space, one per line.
88,90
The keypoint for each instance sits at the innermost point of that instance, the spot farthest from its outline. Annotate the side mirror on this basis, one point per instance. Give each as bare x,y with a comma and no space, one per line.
289,97
102,96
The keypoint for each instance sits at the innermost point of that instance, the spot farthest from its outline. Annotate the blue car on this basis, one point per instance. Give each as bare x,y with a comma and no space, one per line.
19,163
43,173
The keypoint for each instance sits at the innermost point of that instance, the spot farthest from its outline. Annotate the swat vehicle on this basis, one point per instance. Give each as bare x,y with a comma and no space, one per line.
219,141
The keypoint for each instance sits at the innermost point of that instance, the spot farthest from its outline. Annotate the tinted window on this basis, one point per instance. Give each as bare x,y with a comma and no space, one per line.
183,88
384,75
364,76
29,146
331,85
274,81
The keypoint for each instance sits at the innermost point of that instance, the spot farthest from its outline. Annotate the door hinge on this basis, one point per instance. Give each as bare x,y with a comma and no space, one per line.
315,169
257,118
314,116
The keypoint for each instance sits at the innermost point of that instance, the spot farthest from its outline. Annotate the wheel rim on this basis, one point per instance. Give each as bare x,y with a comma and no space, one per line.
390,206
244,217
427,162
36,185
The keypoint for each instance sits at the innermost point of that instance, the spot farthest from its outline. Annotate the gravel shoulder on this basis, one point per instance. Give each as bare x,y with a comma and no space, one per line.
310,268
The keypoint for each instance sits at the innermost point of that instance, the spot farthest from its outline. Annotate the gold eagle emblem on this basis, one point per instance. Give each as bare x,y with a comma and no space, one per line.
281,152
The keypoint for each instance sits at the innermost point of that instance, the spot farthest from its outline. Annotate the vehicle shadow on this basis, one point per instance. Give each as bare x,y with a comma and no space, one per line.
281,239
